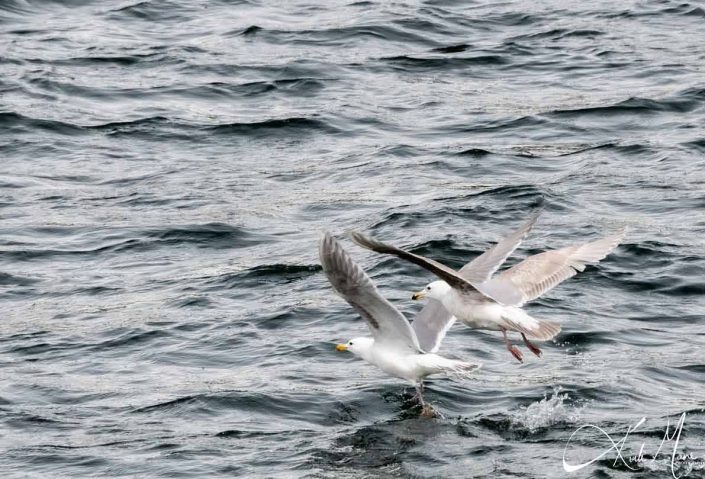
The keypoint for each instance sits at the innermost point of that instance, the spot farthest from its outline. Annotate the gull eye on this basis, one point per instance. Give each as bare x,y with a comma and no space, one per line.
350,343
428,288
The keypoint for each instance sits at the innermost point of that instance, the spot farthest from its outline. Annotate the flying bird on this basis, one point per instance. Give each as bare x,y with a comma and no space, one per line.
396,347
483,300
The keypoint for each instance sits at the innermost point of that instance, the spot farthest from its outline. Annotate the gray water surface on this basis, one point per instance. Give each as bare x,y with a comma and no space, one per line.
167,168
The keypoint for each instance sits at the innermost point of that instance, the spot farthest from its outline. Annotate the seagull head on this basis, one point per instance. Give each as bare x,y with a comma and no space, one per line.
435,290
357,346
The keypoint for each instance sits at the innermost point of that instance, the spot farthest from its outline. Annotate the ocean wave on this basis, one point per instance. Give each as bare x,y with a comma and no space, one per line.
685,101
278,126
414,63
121,241
267,274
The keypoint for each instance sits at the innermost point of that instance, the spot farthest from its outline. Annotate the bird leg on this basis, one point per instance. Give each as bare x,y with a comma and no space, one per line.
532,347
511,348
418,397
426,409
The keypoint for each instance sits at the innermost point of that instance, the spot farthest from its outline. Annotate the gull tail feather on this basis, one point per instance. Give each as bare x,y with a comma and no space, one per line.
515,319
434,364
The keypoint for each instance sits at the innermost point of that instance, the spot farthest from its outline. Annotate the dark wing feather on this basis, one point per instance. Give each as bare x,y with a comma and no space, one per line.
385,322
444,272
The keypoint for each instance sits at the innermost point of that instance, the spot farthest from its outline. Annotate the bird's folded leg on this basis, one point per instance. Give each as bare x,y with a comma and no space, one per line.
511,348
532,347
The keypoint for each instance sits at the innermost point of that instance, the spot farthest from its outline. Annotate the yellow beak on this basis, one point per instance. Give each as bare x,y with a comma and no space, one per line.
420,295
341,347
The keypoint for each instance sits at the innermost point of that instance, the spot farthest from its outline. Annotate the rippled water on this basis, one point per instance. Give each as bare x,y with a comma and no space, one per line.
167,169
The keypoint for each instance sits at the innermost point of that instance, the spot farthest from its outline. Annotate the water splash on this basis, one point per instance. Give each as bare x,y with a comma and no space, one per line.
546,412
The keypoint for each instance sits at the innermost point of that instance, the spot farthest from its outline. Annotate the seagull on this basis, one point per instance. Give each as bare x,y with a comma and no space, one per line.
396,347
483,300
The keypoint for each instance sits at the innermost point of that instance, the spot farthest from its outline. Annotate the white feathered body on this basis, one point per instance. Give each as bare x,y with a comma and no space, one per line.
484,300
479,312
403,363
519,284
394,346
474,310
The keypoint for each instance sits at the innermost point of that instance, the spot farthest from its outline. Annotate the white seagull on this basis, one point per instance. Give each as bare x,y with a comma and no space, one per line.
483,301
396,347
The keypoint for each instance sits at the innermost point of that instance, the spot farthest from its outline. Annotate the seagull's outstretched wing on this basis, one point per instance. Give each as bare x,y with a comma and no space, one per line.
444,272
431,325
386,323
463,285
485,265
542,272
433,321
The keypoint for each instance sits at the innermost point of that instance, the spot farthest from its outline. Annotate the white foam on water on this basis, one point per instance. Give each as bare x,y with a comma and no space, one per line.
546,412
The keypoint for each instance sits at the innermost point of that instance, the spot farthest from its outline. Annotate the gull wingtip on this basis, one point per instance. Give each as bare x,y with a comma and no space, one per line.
326,244
358,238
324,238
